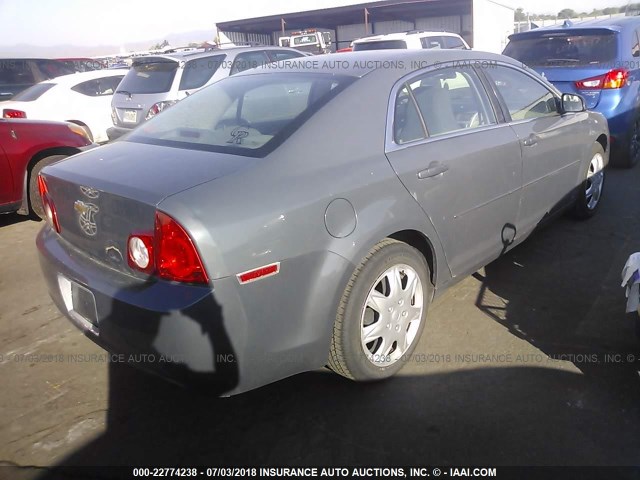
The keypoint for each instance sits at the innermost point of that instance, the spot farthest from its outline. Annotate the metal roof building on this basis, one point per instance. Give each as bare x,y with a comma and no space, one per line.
484,24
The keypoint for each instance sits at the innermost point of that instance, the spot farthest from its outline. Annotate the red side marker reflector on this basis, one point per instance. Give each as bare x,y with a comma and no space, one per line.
258,273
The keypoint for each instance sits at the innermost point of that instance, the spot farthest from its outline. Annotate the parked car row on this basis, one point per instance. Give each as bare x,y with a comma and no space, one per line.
178,240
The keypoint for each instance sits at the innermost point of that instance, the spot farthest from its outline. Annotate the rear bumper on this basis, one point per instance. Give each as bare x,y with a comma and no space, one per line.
225,340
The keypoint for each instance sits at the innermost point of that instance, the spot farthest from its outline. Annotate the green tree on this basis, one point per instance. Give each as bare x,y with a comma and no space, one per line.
520,16
611,11
567,13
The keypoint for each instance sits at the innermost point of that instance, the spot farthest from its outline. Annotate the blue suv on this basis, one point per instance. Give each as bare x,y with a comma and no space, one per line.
599,60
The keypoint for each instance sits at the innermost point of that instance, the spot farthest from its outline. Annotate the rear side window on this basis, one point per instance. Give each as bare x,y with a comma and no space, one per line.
278,55
98,87
246,115
451,99
199,71
380,45
407,124
525,97
432,42
248,60
149,77
454,43
33,93
564,49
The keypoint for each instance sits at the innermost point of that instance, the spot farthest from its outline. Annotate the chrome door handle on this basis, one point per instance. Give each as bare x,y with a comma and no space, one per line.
530,141
435,169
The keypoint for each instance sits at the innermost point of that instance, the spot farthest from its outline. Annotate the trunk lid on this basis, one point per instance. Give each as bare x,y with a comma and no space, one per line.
106,194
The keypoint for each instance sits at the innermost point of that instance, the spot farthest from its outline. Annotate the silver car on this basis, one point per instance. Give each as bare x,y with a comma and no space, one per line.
156,82
290,218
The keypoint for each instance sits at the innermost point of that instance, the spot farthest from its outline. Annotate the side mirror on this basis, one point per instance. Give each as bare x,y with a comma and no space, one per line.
572,103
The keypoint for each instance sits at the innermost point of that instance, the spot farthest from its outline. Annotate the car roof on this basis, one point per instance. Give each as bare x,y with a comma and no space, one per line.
75,78
361,63
403,35
178,56
616,24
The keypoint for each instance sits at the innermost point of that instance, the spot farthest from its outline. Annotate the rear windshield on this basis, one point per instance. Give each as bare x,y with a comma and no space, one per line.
564,49
246,115
380,45
149,77
33,93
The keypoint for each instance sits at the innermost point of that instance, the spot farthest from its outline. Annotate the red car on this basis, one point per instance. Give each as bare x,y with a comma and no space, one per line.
26,146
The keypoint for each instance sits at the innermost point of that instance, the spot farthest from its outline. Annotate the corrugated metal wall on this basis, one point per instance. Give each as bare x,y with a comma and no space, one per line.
393,26
349,33
240,38
449,23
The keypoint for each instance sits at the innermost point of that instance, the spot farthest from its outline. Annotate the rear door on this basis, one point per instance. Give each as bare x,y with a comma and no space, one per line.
458,161
550,142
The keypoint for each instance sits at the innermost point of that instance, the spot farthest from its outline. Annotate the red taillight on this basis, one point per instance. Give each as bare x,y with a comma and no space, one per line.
47,204
177,258
11,113
613,79
169,253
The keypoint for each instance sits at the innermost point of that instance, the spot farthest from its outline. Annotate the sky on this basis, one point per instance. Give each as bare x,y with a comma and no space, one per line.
113,22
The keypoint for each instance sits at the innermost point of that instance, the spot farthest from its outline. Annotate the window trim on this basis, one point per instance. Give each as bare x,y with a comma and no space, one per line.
390,144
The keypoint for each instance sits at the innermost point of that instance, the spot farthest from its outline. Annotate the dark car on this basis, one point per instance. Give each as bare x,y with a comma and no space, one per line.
18,74
275,222
599,60
83,64
26,146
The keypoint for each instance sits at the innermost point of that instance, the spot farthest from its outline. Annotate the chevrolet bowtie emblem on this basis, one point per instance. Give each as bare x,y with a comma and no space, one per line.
86,218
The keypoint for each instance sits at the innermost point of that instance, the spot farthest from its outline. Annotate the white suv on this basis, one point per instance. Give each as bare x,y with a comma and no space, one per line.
411,40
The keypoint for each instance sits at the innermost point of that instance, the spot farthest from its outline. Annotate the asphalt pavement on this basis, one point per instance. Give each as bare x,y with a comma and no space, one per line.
531,361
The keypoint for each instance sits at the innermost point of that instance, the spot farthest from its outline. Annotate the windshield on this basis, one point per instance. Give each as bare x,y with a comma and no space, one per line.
246,115
149,77
380,45
305,40
564,49
33,93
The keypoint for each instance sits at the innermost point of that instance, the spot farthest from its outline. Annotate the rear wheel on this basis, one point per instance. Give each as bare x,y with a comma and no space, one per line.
382,313
633,151
35,202
592,187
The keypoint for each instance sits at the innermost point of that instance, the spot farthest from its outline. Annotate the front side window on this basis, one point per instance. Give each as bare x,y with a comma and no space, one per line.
199,71
245,115
450,100
432,42
98,87
524,97
248,60
278,55
454,43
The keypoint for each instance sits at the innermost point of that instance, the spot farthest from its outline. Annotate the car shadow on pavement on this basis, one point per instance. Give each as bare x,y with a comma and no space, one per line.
12,218
492,416
560,290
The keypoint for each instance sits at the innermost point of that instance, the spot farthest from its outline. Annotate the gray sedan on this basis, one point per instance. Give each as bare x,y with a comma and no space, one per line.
306,214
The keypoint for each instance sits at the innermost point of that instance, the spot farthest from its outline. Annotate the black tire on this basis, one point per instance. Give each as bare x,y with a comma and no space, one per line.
638,327
630,157
35,202
347,355
582,209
